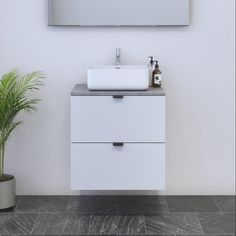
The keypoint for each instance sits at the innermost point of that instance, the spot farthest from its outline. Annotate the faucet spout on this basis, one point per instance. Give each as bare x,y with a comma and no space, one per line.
118,52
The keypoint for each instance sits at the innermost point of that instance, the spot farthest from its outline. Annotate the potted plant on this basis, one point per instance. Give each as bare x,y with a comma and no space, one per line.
14,90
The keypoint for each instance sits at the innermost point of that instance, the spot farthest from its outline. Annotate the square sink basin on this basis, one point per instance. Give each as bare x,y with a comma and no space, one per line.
118,77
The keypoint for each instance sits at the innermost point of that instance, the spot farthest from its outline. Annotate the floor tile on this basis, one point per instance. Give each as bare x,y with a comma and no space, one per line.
50,223
217,223
115,224
191,204
18,199
42,204
204,235
121,215
91,235
131,225
77,224
117,204
141,204
17,223
225,203
13,234
173,223
92,204
148,235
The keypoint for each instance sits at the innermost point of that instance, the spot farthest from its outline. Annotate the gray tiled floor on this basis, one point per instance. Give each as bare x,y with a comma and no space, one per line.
121,215
192,204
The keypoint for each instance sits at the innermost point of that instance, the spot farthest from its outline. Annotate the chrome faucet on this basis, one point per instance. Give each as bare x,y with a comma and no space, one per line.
118,52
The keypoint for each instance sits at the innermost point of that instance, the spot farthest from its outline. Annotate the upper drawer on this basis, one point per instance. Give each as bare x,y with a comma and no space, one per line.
118,119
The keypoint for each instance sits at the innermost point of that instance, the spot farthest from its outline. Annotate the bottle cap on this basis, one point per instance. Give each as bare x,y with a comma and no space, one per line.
157,65
151,61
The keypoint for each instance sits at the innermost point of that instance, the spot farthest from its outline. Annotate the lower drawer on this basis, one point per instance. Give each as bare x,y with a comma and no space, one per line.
102,166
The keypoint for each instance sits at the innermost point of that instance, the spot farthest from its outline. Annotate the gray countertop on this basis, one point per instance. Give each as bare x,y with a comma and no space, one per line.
82,90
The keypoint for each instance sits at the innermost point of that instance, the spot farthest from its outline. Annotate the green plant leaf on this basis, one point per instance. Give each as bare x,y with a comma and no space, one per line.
14,98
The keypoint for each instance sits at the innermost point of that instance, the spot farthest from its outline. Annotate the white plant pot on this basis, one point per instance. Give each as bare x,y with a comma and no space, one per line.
7,193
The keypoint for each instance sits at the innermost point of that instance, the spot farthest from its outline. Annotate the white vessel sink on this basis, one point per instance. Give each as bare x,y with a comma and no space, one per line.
118,78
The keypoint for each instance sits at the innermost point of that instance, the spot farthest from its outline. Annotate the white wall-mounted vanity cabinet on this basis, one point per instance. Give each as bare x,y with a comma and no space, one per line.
117,139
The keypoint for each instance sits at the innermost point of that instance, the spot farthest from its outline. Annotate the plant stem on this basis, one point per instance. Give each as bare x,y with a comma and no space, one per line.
2,153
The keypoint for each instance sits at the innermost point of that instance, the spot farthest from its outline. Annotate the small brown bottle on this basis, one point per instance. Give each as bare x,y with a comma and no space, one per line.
156,76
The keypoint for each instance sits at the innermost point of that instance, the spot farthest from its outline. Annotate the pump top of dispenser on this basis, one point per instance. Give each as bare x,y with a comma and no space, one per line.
151,60
156,65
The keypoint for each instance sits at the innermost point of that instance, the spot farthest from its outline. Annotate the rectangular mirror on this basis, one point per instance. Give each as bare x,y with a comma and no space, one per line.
118,12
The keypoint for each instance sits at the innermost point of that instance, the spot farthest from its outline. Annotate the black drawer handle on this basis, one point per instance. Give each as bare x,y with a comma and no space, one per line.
118,144
118,96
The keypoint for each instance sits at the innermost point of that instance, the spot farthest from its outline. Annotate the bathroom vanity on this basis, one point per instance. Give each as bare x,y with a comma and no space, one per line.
117,139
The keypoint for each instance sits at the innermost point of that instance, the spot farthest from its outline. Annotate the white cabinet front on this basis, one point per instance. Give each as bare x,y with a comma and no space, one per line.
102,166
117,119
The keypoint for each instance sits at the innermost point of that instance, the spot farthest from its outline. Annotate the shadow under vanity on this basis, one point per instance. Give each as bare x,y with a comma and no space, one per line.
117,139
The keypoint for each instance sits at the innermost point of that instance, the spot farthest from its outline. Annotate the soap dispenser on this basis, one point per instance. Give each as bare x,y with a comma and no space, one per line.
151,69
156,76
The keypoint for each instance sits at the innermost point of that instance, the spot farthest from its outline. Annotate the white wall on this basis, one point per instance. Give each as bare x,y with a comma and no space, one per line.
198,67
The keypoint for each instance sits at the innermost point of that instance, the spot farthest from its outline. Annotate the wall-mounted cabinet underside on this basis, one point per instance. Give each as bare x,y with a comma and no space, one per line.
118,12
